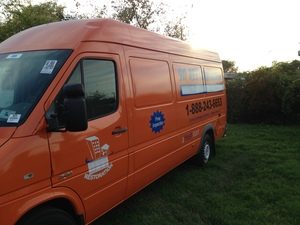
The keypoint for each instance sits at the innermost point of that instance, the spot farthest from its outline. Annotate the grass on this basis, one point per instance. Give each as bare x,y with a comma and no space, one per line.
254,179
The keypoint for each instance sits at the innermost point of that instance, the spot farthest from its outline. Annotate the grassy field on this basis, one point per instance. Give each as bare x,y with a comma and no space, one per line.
254,179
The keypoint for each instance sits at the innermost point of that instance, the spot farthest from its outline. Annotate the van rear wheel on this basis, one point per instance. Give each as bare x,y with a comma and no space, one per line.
206,150
48,216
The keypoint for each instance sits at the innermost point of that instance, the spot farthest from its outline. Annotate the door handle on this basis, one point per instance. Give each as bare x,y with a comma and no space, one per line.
119,130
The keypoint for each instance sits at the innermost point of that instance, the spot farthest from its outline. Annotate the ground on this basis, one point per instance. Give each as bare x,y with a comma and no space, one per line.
254,179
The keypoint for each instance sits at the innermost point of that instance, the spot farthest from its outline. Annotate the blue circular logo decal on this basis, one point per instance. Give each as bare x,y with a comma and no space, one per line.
157,121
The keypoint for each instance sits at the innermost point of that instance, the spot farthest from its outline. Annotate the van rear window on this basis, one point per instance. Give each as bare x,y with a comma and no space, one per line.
214,79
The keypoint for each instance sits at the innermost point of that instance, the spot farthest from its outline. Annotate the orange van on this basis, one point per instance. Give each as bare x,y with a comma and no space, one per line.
92,111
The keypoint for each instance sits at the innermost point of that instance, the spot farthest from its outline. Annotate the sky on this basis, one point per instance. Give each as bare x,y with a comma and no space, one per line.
253,33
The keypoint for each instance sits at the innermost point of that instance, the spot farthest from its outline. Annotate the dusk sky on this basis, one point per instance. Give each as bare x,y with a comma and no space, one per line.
252,33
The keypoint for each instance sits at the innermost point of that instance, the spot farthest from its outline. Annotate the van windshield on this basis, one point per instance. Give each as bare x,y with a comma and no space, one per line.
24,76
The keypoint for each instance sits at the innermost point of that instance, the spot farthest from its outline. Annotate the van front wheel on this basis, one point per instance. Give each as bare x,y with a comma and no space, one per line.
48,216
206,150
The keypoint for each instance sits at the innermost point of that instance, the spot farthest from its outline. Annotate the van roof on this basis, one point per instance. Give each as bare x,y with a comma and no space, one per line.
70,34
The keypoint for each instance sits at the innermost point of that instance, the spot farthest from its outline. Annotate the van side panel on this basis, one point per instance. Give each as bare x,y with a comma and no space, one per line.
166,133
195,105
151,71
150,113
23,164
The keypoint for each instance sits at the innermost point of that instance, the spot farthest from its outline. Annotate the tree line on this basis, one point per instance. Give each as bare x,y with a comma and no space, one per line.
266,95
18,15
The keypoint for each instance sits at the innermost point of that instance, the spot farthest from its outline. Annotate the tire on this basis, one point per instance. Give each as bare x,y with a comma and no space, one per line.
48,216
206,150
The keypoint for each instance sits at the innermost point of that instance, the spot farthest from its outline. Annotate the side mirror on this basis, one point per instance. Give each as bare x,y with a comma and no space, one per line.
75,113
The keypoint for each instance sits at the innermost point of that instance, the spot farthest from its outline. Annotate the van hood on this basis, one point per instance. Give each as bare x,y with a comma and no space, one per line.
6,133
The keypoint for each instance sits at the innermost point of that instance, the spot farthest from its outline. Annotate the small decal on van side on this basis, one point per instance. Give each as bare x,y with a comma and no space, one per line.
98,162
157,121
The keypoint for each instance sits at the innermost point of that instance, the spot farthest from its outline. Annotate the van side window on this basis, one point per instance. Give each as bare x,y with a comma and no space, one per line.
214,79
99,80
100,87
76,76
189,79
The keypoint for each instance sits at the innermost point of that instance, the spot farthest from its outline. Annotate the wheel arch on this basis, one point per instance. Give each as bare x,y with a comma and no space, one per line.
210,130
60,198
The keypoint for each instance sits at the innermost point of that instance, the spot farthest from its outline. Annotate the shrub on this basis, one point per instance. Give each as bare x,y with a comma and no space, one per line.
291,102
266,95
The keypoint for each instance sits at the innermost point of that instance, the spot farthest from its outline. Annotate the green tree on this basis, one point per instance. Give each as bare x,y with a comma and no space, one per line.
176,29
291,102
140,13
286,68
266,95
229,66
20,15
145,14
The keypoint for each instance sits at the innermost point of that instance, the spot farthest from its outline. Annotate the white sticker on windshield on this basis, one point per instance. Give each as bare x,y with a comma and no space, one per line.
49,67
14,56
5,113
13,118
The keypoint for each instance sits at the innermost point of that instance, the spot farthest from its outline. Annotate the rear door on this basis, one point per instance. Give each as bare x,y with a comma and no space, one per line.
94,163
